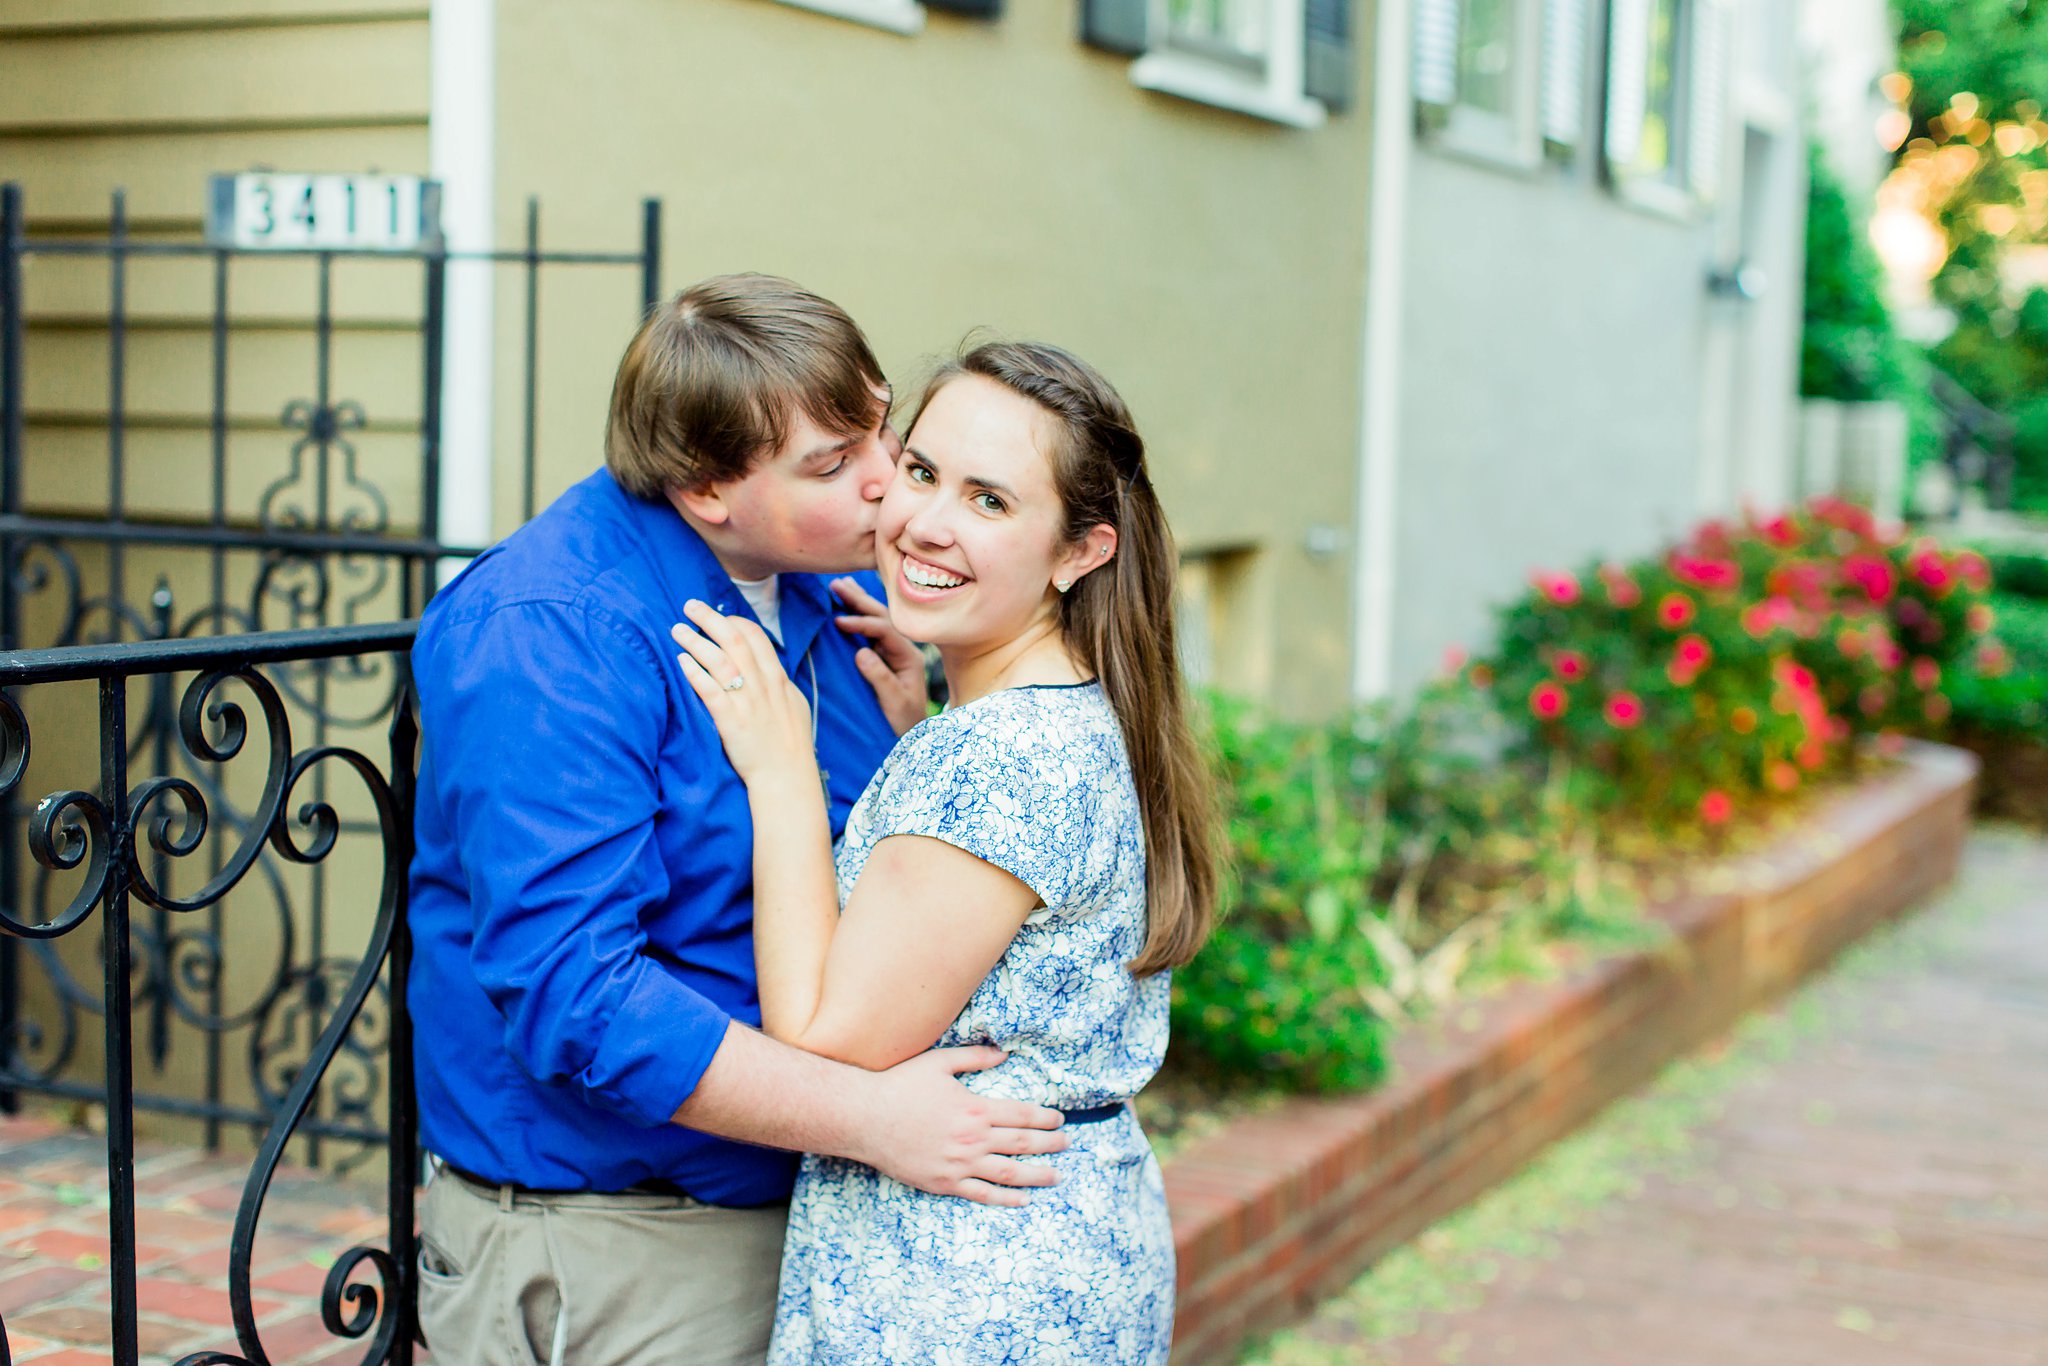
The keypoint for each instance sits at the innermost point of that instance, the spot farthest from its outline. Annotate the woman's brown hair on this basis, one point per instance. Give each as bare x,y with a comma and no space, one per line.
1119,623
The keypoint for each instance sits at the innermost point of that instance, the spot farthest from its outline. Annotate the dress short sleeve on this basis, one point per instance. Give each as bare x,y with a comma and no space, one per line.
1008,784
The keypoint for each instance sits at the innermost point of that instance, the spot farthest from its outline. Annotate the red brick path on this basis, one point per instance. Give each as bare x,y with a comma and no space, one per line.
1879,1195
53,1250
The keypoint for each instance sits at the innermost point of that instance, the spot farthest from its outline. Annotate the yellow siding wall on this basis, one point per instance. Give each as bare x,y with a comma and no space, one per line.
152,96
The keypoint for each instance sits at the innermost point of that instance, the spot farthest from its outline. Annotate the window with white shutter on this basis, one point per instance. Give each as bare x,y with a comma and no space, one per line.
1289,61
1477,74
1667,101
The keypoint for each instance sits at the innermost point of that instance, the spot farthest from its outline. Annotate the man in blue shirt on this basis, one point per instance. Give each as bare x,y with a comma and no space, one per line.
583,978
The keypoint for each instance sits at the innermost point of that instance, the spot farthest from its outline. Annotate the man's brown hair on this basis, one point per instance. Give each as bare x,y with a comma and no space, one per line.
714,376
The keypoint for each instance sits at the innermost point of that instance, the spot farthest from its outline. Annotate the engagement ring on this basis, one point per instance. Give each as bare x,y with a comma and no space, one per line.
736,684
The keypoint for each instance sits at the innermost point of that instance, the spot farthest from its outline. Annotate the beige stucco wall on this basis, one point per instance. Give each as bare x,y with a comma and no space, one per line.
997,174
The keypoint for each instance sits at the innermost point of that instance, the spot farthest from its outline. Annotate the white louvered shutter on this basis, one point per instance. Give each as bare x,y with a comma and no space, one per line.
1707,102
1436,51
1564,72
1628,72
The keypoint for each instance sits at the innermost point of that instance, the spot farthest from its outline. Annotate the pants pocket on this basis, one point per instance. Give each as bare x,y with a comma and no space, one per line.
458,1312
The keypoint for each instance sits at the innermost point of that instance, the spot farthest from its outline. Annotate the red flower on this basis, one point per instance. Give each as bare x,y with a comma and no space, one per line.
1570,665
1559,587
1782,777
1925,673
1693,653
1780,531
1992,660
1623,591
1742,720
1675,610
1933,571
1454,659
1871,573
1811,754
1874,699
1843,515
1980,617
1716,807
1849,643
1702,572
1795,676
1973,568
1936,708
1887,654
1759,619
1547,701
1624,711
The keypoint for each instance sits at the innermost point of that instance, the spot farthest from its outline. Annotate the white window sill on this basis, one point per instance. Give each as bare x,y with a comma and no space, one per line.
897,16
1190,78
1657,197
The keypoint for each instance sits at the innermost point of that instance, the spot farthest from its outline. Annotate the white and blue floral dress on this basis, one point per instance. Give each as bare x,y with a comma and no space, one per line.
1036,781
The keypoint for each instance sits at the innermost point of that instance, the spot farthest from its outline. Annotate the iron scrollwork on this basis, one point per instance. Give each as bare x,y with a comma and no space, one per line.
131,847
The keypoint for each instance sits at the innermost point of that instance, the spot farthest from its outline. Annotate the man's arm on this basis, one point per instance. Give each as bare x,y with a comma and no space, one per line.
914,1122
545,732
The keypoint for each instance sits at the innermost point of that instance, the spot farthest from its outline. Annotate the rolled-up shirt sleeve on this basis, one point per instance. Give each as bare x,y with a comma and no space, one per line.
544,723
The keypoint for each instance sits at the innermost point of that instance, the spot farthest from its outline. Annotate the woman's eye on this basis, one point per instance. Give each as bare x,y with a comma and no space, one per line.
921,474
988,502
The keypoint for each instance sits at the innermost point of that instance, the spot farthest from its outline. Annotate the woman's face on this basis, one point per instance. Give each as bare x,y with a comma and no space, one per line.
969,536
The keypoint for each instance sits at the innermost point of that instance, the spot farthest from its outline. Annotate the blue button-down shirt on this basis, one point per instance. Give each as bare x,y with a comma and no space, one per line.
582,885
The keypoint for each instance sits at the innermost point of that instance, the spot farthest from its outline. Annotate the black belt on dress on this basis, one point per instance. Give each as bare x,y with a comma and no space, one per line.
1096,1114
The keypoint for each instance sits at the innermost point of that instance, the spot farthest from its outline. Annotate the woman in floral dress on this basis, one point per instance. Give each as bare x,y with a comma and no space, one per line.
1024,870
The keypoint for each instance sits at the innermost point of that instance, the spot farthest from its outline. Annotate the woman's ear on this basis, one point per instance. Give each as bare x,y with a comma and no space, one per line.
1087,555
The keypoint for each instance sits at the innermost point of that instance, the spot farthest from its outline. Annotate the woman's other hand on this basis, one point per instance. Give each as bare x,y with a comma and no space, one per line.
892,664
761,716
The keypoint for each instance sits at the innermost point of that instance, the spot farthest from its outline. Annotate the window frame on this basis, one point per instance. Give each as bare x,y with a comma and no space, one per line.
1272,87
1684,187
1511,140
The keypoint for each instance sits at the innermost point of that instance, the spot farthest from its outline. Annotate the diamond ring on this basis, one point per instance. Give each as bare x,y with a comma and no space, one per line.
736,684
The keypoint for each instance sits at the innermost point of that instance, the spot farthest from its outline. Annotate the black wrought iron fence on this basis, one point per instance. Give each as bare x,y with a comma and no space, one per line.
115,842
164,503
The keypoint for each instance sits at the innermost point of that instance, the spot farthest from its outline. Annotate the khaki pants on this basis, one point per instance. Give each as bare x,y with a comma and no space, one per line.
594,1280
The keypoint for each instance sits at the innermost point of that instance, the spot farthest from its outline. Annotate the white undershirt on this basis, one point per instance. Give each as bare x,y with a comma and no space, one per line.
765,597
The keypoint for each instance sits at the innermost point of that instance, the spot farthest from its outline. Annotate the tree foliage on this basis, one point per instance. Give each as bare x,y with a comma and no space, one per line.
1977,149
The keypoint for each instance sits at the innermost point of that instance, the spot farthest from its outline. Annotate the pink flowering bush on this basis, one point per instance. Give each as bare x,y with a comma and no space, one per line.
1743,661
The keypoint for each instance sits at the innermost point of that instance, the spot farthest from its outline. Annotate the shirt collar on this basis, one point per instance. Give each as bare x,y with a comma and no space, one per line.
686,568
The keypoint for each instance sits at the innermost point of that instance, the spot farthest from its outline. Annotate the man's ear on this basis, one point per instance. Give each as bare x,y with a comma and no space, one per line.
705,504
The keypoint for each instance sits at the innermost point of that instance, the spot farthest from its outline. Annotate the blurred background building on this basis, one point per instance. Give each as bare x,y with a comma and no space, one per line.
1408,297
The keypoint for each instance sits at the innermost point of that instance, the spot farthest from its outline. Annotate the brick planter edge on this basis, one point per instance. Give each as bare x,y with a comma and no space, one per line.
1279,1210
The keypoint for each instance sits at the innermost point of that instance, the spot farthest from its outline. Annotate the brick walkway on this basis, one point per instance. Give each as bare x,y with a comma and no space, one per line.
1866,1182
53,1250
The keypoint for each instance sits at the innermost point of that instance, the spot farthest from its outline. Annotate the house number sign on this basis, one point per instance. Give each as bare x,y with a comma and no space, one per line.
275,211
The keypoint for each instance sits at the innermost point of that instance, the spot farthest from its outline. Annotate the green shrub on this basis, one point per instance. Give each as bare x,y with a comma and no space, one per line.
2016,571
2006,692
1380,862
1848,349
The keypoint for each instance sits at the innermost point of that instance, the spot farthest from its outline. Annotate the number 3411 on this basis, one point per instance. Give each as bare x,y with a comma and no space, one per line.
341,211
